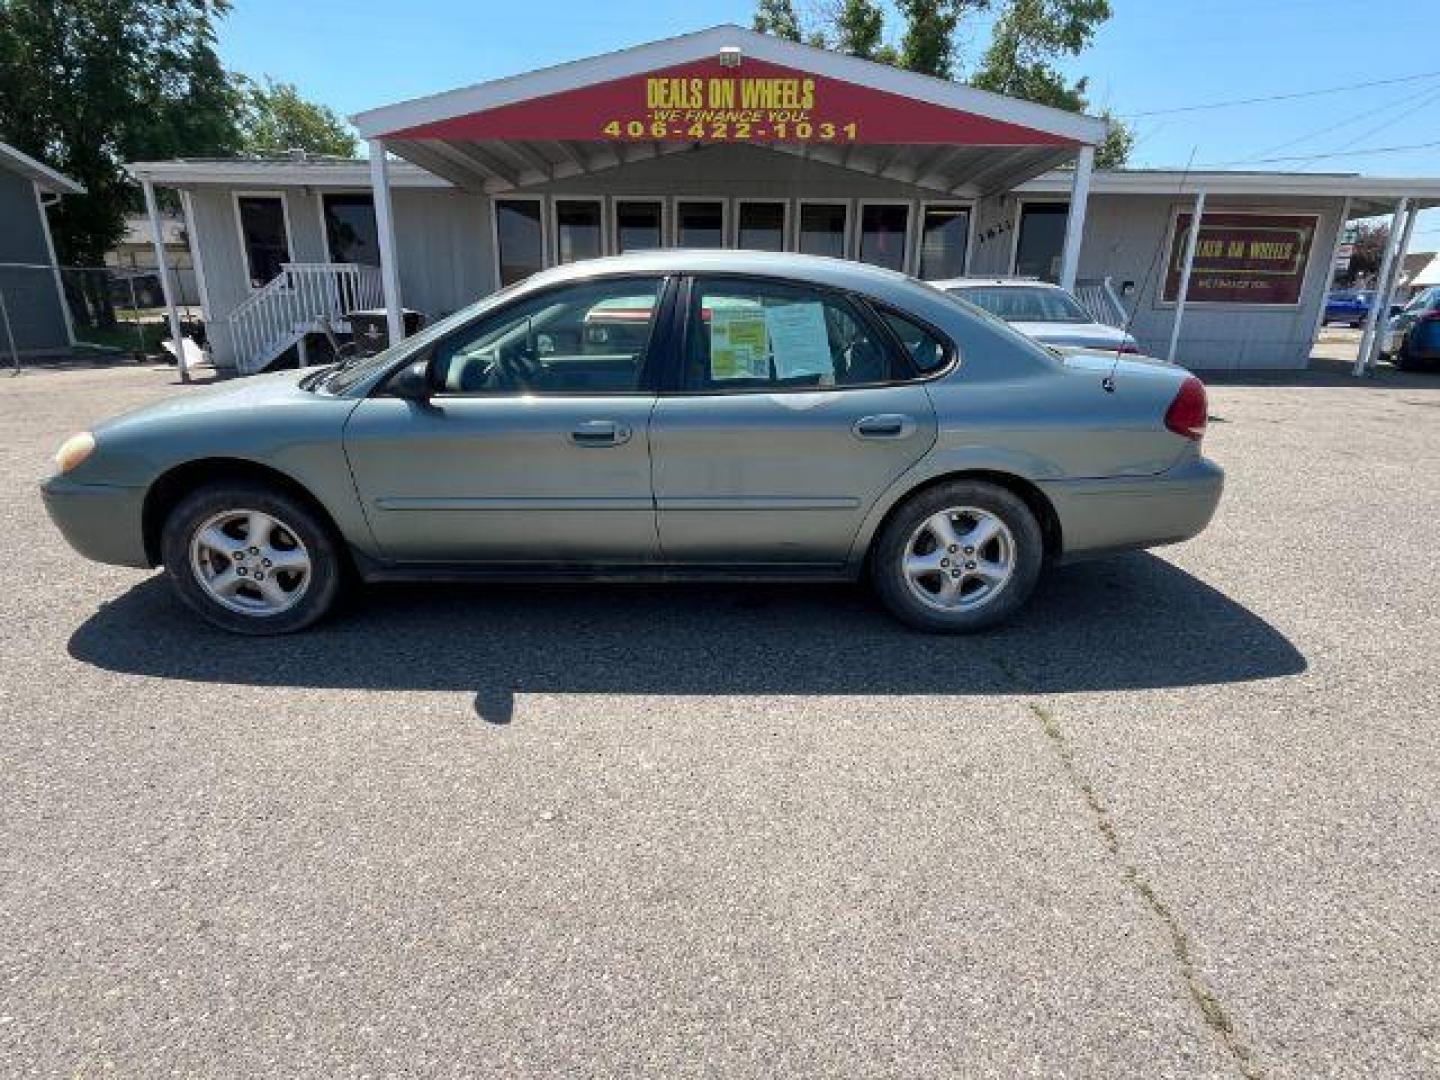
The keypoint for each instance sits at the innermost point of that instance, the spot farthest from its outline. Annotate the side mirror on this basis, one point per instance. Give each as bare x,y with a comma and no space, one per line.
412,382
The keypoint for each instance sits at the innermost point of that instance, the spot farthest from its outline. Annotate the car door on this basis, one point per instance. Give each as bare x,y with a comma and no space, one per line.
792,409
535,446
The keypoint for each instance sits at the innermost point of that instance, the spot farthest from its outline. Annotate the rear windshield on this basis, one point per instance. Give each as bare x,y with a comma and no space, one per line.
1020,303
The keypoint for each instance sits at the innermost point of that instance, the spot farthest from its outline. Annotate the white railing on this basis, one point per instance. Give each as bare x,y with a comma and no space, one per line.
1099,298
275,317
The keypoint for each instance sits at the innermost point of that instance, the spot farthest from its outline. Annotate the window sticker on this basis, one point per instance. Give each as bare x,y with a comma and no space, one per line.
739,343
799,339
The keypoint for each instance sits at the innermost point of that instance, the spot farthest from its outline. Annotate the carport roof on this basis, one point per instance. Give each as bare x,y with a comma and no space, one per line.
550,124
1368,194
45,177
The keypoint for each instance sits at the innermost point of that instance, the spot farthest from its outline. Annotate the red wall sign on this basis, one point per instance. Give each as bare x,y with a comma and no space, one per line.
757,102
1243,258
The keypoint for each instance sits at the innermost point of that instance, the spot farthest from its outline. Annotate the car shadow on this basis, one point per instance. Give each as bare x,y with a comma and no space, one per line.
1130,622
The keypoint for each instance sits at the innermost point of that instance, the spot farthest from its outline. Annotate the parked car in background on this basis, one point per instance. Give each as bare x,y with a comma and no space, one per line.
1041,311
1348,306
1412,339
681,414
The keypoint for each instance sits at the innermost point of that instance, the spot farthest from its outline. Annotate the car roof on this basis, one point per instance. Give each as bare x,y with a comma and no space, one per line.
970,282
887,286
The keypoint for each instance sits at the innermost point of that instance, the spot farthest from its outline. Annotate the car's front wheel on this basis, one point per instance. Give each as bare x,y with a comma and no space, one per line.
251,559
959,557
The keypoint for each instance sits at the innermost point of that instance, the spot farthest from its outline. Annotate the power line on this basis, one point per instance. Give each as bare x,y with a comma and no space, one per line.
1388,106
1333,154
1284,97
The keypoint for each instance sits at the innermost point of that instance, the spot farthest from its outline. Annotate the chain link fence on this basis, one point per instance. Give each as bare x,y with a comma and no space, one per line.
116,313
123,310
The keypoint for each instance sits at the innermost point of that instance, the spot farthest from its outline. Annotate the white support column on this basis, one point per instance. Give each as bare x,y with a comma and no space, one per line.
1372,320
167,286
1075,218
1196,217
1387,297
1330,271
385,226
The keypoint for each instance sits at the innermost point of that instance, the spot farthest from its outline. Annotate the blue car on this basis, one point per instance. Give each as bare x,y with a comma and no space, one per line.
1349,306
1413,338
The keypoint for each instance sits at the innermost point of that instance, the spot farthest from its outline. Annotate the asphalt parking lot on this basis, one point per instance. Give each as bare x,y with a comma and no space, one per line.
1180,819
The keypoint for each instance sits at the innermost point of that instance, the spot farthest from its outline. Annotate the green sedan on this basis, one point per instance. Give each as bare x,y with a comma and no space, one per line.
670,415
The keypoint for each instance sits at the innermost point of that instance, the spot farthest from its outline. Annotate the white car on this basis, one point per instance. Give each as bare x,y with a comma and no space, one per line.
1041,311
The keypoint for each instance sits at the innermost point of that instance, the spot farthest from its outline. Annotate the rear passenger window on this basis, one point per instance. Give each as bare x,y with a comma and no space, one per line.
585,338
927,351
750,335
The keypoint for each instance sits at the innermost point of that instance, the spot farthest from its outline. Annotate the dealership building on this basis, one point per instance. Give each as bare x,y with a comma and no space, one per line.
729,138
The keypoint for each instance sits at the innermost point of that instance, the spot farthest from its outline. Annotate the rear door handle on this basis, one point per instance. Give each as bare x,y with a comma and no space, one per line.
600,433
885,426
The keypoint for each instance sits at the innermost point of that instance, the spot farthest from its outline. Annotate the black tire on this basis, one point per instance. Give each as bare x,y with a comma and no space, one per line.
1357,325
297,521
898,537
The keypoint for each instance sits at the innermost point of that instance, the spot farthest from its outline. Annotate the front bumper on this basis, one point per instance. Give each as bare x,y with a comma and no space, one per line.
100,521
1136,512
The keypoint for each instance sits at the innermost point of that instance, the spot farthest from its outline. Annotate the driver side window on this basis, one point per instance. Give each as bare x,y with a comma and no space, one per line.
585,338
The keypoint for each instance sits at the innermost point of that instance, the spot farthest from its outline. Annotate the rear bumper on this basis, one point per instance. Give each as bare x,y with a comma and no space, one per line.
100,521
1136,512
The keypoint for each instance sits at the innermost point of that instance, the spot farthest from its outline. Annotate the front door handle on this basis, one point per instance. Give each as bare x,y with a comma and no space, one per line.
885,426
600,433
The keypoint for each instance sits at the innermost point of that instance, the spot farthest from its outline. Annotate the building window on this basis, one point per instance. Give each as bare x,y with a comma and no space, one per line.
822,229
761,226
519,239
577,230
639,225
944,234
350,231
1041,240
883,231
264,236
700,224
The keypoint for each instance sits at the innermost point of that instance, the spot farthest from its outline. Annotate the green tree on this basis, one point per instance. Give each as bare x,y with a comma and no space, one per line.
928,43
86,85
777,17
1028,38
275,118
859,25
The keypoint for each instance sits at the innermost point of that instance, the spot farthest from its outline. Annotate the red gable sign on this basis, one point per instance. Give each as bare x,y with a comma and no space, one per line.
704,102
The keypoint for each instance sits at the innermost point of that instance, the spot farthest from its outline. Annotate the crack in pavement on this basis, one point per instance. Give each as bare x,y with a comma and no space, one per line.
1214,1013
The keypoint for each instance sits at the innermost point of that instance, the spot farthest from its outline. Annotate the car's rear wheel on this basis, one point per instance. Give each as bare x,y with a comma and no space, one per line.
959,557
251,559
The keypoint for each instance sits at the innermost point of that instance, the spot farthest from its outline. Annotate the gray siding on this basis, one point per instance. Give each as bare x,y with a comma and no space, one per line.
32,300
446,256
1125,239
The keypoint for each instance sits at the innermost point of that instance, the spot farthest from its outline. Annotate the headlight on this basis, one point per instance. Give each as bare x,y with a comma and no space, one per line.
74,450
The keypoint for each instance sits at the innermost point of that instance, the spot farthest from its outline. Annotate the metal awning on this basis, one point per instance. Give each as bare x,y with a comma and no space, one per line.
728,85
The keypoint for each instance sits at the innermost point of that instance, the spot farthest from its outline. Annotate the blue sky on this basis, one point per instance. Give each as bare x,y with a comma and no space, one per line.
1152,55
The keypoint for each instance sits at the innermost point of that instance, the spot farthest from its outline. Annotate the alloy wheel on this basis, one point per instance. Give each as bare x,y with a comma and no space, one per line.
250,562
959,559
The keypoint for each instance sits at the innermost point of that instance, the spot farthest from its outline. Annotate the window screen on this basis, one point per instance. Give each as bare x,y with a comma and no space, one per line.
761,227
1041,241
883,228
944,233
520,239
822,229
577,230
700,224
639,225
267,247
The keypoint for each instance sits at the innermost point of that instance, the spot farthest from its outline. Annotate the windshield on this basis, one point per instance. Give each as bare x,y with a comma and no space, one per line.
1423,300
354,372
1022,303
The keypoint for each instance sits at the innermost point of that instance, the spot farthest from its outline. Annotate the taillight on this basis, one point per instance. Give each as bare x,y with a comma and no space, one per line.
1129,347
1188,412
